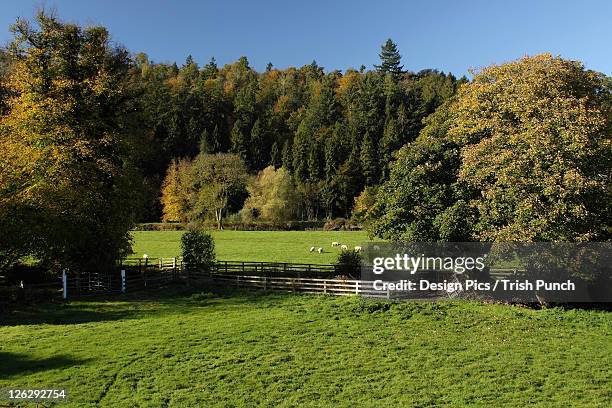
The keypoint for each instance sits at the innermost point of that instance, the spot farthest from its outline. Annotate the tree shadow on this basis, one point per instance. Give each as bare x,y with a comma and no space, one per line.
13,364
66,314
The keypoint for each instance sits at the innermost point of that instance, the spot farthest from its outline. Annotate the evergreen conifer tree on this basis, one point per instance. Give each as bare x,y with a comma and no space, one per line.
390,59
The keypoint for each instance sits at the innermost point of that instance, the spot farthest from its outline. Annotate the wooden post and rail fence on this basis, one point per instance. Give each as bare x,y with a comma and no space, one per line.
138,274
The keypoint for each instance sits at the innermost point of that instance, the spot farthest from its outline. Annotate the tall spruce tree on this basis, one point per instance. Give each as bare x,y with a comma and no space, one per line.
390,59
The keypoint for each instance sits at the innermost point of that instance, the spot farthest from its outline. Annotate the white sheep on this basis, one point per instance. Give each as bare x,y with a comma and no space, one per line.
344,248
320,250
335,244
312,249
358,249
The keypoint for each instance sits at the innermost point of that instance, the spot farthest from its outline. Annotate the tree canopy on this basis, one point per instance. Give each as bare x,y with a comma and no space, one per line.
67,182
539,149
521,153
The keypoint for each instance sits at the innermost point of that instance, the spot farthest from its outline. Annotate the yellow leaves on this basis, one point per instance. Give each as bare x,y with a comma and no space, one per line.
535,146
346,82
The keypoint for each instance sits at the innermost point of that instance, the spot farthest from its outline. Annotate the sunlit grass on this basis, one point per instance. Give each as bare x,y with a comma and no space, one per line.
265,246
184,350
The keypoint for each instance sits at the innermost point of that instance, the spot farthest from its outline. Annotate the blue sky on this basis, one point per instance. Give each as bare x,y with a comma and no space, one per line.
447,35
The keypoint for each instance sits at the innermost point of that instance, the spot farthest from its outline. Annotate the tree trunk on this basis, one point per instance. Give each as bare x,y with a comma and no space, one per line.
219,216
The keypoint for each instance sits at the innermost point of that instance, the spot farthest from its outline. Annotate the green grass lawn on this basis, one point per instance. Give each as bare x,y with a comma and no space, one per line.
183,350
272,246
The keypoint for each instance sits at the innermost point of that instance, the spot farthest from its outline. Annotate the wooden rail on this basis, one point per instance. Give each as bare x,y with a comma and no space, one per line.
338,287
293,270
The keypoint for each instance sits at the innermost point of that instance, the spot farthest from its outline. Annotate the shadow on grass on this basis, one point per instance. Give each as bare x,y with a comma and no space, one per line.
64,314
13,364
166,300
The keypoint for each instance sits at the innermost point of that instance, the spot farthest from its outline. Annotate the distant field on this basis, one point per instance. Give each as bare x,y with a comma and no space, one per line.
273,246
248,350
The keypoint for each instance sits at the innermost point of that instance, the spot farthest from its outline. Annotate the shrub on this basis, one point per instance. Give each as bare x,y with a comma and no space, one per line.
198,249
349,263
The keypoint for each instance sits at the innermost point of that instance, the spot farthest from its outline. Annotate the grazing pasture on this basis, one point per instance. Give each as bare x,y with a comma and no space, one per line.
263,246
179,349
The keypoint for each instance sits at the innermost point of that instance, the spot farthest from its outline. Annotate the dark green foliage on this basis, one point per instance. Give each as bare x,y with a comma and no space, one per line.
423,200
390,59
349,263
335,132
313,123
198,250
370,164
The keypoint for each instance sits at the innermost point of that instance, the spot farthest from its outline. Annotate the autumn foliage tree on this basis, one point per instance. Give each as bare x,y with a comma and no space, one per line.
175,192
272,196
66,179
538,146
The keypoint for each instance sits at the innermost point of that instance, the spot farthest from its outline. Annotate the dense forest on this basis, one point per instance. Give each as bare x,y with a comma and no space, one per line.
95,138
334,132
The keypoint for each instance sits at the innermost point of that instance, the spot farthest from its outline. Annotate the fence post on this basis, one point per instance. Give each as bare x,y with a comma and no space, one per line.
144,271
123,281
325,286
65,284
356,287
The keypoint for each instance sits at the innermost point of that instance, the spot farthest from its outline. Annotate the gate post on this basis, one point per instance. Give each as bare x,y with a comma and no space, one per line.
123,281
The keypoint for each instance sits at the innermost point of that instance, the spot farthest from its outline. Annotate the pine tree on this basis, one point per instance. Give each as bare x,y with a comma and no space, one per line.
314,162
390,142
287,156
369,161
210,70
205,142
258,147
275,156
300,159
240,143
390,59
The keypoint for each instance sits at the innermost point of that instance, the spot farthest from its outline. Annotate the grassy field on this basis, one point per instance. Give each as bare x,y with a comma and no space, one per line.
186,350
273,246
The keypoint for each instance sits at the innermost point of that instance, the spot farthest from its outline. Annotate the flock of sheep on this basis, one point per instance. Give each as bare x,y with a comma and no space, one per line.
335,244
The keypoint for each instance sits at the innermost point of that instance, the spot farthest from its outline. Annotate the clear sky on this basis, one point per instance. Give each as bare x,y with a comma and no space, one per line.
447,35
